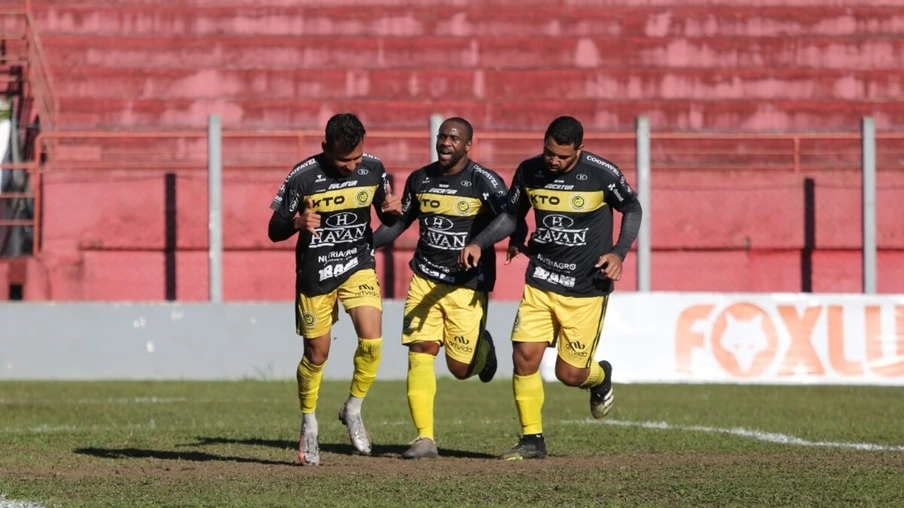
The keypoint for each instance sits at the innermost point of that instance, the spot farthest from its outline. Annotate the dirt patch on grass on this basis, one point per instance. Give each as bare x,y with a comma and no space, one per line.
130,462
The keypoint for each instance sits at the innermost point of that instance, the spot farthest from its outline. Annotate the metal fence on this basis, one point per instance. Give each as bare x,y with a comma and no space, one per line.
725,211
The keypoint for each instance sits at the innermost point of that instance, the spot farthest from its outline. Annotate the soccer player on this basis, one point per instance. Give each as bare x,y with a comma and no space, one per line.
327,199
453,199
572,267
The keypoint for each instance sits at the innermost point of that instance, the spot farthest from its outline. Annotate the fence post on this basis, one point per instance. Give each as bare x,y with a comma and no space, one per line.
643,195
435,121
215,196
869,205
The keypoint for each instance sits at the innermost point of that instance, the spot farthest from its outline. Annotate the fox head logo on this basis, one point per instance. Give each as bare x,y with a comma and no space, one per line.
744,340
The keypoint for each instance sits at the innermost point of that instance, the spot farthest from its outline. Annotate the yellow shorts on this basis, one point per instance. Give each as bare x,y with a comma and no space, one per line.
453,316
316,315
544,316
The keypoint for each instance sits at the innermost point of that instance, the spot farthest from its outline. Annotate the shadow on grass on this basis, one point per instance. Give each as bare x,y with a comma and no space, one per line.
137,453
390,450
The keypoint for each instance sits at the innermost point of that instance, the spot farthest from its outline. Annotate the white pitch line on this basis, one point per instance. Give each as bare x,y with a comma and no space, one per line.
769,437
7,503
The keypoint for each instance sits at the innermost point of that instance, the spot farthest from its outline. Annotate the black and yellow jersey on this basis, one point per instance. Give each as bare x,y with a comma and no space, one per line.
451,210
345,241
573,215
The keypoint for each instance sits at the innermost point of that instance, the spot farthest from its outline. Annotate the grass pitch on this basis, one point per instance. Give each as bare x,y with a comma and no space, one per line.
235,444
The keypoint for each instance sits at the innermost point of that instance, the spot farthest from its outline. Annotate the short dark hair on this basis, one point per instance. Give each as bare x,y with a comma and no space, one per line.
566,130
469,130
344,131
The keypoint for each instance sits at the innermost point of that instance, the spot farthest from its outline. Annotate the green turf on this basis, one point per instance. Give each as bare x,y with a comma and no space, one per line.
234,444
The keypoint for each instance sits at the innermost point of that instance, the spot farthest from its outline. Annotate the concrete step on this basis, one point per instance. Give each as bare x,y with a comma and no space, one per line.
472,21
615,114
482,53
438,84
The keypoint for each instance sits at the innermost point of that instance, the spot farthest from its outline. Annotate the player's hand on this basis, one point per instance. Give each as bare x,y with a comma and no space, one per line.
392,204
470,257
611,266
308,220
512,252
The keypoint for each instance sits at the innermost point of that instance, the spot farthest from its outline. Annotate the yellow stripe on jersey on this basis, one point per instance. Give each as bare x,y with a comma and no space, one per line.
565,201
342,199
448,205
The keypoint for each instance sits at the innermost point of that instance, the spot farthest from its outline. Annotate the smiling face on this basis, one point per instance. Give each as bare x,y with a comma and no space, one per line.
344,162
453,142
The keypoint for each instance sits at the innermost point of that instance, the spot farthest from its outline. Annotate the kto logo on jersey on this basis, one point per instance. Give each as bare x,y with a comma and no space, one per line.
747,341
558,221
438,222
341,219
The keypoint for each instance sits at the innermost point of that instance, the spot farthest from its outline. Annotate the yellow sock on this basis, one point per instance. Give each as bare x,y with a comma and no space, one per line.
596,376
367,361
529,398
480,357
421,392
309,377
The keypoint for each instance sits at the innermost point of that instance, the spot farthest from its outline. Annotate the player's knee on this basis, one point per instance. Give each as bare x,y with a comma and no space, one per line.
570,376
427,348
458,369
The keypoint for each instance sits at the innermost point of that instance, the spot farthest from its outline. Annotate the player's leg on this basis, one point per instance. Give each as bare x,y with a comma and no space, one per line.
575,365
534,330
313,321
422,332
360,295
469,347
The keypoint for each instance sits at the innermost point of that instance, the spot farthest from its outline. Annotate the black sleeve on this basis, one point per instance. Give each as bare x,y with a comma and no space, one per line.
280,228
388,232
624,199
517,204
632,214
380,197
492,189
519,237
285,206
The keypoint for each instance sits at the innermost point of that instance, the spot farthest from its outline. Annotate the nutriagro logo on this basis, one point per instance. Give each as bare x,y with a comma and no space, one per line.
749,342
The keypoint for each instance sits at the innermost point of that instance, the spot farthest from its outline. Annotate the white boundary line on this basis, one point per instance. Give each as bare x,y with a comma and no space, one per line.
8,503
769,437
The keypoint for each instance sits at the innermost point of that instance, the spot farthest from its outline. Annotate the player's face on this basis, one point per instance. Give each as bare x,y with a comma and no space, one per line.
345,163
560,158
452,144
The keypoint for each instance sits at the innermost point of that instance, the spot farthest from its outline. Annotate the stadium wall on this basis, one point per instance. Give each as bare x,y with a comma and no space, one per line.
692,337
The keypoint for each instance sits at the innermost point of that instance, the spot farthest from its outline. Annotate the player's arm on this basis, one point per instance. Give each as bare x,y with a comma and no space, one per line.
387,233
285,207
517,204
622,198
387,206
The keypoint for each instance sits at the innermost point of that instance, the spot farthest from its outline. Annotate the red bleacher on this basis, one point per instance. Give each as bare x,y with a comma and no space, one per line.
727,215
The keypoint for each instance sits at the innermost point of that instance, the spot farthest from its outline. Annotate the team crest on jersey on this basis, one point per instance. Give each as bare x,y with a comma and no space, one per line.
362,198
578,202
517,321
462,207
406,324
309,319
